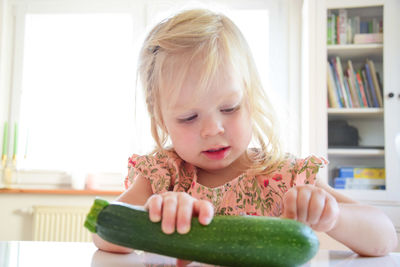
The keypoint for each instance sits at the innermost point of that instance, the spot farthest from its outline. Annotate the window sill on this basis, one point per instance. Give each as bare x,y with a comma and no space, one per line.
59,191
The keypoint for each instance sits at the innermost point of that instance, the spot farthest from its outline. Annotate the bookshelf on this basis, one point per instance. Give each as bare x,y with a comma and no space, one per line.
355,92
377,125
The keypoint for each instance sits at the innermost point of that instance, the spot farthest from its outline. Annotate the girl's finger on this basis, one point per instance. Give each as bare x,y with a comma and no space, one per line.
316,207
329,215
154,206
169,213
290,204
303,200
184,213
205,211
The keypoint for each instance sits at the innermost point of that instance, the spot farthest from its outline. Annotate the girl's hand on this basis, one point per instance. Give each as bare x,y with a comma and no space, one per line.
175,210
312,206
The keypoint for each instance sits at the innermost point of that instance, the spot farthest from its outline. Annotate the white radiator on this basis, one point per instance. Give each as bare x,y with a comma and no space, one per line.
60,223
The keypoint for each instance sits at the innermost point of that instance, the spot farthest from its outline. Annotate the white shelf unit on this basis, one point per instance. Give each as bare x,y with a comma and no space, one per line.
356,51
361,153
377,127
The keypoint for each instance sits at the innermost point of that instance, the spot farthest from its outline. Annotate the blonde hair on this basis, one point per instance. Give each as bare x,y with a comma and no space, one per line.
175,42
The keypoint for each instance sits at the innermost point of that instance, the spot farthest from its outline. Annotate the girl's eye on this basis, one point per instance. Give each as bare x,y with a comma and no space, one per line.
188,119
230,110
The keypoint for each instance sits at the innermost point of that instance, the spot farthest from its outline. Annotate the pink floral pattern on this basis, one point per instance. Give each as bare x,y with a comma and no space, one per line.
259,195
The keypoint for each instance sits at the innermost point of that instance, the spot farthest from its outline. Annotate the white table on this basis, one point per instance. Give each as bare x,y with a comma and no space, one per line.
46,254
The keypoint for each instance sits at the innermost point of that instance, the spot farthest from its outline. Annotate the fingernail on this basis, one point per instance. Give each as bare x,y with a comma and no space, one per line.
207,220
155,218
183,229
168,230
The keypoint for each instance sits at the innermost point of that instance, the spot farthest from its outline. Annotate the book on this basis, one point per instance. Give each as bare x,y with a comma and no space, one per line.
357,87
332,26
367,89
361,88
349,92
339,87
371,85
342,26
379,82
352,86
375,25
329,30
375,82
338,90
349,31
368,38
339,73
355,27
332,95
364,27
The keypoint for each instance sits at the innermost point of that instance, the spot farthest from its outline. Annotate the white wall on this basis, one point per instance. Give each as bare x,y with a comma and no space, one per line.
16,221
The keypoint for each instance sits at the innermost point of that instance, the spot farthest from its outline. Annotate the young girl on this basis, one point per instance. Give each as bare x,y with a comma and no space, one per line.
203,93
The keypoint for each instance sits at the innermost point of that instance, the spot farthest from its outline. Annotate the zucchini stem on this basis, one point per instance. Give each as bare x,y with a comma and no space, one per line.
91,219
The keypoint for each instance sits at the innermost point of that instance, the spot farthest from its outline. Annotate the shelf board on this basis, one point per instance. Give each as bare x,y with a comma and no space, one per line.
356,50
359,152
355,112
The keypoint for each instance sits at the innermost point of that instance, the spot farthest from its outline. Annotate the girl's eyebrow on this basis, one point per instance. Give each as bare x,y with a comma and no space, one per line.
191,105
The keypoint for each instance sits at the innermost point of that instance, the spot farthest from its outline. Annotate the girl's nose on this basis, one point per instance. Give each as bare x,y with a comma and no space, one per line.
212,126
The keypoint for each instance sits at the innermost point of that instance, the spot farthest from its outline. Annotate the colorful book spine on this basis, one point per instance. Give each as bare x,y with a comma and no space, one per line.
367,89
342,26
338,84
329,38
371,85
353,90
339,73
348,91
361,87
375,82
354,83
332,95
334,30
338,90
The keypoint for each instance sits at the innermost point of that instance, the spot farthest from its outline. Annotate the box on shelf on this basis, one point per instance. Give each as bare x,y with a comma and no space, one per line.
368,38
358,183
361,172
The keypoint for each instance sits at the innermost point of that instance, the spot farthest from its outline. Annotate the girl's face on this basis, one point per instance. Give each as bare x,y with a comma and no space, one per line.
213,129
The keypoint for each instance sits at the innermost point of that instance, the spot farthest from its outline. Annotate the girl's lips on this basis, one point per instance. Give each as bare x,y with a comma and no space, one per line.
217,154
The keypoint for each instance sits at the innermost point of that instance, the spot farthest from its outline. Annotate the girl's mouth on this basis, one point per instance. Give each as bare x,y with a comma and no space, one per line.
217,154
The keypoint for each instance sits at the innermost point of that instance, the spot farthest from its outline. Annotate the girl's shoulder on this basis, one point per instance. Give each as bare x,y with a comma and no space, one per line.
289,161
300,170
164,169
158,158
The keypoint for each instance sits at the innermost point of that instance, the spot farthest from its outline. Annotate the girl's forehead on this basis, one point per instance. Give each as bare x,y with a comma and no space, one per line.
191,83
196,90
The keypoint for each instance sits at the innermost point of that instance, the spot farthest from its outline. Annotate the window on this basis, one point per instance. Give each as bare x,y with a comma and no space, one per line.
77,92
74,79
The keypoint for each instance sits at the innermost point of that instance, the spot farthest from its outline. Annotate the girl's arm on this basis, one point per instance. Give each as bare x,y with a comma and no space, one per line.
364,229
137,194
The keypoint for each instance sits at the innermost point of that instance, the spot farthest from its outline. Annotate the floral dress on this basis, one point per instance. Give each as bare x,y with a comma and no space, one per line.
245,195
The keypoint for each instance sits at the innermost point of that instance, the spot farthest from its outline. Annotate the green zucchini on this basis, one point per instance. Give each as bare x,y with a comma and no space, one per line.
227,240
